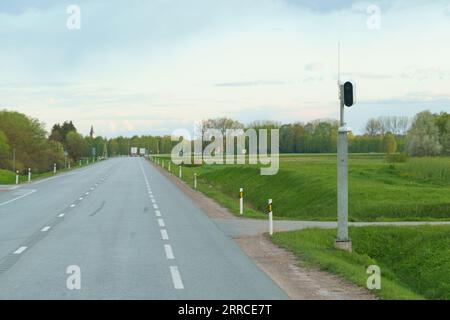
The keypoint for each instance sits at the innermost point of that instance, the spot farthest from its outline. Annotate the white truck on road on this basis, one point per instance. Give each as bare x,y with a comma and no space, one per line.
134,151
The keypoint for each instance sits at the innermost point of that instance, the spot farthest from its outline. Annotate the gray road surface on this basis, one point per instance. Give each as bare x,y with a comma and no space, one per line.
131,233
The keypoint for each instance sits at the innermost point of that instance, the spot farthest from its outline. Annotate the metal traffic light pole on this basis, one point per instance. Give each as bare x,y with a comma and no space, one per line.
342,242
346,98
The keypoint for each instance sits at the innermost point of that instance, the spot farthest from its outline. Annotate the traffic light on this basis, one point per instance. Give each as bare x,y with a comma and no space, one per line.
348,94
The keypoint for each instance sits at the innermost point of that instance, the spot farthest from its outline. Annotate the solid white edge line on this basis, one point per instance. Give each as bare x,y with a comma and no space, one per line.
22,196
169,252
176,278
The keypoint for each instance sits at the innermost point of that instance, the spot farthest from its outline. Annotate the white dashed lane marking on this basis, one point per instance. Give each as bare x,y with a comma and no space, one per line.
169,252
45,229
72,205
20,250
164,234
61,215
176,277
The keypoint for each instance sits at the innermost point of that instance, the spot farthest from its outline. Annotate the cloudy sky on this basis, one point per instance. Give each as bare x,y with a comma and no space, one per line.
151,66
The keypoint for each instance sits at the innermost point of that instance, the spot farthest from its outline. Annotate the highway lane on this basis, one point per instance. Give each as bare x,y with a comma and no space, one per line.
131,233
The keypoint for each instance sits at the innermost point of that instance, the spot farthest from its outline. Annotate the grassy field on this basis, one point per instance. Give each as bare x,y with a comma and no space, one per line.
305,188
414,261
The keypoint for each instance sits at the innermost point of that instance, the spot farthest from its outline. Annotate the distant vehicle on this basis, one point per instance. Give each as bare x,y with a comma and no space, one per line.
142,152
134,151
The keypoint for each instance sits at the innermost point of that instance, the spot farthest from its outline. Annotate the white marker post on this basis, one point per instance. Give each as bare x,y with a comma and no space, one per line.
270,217
29,174
180,173
241,201
163,163
169,165
17,177
80,163
69,165
54,168
195,180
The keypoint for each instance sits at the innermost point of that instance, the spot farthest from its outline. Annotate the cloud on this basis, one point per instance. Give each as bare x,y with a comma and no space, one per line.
251,83
322,6
16,7
314,66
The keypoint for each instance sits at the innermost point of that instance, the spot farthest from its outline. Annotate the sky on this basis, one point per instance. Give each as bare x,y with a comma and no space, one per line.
153,66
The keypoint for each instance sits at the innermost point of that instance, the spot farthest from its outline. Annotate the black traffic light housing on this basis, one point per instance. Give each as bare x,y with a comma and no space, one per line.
348,94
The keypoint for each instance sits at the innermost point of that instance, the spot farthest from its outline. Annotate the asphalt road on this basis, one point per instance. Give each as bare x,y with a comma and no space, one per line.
118,230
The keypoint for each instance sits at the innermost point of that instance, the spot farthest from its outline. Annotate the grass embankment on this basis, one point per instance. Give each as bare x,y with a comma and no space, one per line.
305,188
9,177
414,261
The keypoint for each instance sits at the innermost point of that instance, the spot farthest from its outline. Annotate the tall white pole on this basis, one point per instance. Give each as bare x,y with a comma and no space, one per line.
342,242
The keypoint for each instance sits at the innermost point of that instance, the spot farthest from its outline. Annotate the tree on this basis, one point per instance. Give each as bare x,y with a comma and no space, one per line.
75,145
5,150
423,136
445,139
28,137
389,143
373,127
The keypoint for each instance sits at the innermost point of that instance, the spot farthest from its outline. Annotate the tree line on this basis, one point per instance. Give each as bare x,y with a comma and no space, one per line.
24,142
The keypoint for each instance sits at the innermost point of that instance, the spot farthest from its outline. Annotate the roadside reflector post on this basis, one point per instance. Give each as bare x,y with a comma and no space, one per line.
54,168
17,177
29,174
241,201
270,207
195,180
80,163
163,164
169,165
180,173
69,165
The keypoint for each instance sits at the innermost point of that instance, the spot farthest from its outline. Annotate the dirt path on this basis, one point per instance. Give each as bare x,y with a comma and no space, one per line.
299,283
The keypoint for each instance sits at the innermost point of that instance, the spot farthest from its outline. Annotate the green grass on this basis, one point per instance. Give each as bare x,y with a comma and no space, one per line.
305,188
9,177
414,261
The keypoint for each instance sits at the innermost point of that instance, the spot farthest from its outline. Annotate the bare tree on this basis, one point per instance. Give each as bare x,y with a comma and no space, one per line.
373,127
